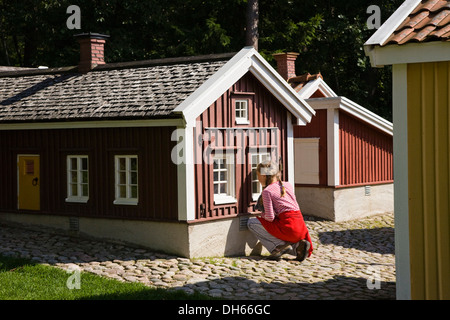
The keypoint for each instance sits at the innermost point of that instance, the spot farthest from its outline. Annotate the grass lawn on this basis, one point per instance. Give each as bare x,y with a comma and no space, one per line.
21,279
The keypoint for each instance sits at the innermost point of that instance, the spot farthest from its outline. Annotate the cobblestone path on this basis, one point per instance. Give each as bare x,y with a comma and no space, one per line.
351,260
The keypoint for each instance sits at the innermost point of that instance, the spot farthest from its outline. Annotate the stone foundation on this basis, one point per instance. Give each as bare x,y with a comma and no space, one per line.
345,203
225,237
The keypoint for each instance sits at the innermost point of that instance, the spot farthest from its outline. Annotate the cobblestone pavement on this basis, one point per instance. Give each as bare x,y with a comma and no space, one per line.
351,260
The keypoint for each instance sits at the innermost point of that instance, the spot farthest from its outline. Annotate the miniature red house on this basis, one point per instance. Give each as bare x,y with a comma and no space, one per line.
343,158
160,153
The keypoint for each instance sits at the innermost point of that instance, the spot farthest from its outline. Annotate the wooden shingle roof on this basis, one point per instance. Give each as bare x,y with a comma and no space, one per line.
145,89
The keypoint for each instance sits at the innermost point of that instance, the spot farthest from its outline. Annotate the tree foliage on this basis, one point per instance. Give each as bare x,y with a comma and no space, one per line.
328,34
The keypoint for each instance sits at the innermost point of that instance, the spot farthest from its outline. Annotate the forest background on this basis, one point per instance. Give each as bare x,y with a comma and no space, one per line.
328,35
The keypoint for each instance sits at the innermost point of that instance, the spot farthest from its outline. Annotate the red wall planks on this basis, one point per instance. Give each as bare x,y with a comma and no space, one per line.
265,111
157,173
365,152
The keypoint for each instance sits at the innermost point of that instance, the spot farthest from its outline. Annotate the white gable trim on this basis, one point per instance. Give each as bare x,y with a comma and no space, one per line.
312,86
354,109
392,23
248,59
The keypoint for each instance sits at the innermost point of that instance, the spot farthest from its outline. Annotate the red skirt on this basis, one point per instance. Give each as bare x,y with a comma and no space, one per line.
288,226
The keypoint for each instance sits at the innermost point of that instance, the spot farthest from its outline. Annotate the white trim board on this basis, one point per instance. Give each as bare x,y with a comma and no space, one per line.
92,124
246,60
401,193
392,23
408,53
354,109
317,84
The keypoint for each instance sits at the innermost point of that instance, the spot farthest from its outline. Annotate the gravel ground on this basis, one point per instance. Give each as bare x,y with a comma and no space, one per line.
351,260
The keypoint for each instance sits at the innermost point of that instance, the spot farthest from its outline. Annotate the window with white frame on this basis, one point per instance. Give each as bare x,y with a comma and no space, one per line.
257,158
241,109
126,179
77,178
224,179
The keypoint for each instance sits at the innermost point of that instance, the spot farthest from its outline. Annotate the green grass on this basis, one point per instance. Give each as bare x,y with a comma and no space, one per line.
21,279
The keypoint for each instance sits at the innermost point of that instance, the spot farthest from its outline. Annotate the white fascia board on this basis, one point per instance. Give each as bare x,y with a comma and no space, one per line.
392,23
354,109
92,124
432,51
215,86
312,86
248,59
272,80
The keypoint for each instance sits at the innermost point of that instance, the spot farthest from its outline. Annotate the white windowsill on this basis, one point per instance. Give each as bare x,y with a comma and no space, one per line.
242,121
77,199
255,196
129,202
224,200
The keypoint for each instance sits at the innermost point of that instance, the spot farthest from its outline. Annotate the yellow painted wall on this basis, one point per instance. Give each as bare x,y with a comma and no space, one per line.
429,179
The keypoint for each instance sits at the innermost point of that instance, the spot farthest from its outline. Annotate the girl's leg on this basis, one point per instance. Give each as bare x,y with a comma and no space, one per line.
267,240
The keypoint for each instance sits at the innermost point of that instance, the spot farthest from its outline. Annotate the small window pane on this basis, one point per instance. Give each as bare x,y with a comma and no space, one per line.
85,190
122,191
133,164
84,177
223,188
122,164
84,164
133,177
216,189
122,178
74,176
74,189
73,163
134,192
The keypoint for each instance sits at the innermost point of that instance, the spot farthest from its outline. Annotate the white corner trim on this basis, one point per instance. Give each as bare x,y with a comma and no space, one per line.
248,59
392,23
401,193
312,86
185,173
354,109
333,146
290,150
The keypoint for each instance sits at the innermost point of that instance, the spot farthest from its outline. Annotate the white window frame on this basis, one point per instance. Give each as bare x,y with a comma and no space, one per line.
128,199
259,155
230,195
241,119
79,197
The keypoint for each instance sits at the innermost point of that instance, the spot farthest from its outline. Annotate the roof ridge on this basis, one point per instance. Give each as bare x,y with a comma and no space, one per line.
165,61
122,65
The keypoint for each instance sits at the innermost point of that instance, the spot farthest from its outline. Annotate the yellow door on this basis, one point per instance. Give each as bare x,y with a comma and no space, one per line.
29,184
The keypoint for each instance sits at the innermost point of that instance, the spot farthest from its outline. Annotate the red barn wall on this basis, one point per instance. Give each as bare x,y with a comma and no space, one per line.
157,174
366,153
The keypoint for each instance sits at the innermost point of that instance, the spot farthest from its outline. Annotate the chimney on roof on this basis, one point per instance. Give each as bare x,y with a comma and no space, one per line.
91,50
286,64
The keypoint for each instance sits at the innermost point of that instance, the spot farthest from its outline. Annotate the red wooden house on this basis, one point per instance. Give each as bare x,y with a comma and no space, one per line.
159,153
344,157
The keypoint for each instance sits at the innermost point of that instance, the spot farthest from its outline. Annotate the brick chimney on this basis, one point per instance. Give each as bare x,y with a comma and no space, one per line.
286,64
91,50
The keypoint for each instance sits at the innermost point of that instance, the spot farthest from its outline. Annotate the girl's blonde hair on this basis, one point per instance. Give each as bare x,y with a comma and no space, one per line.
270,170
